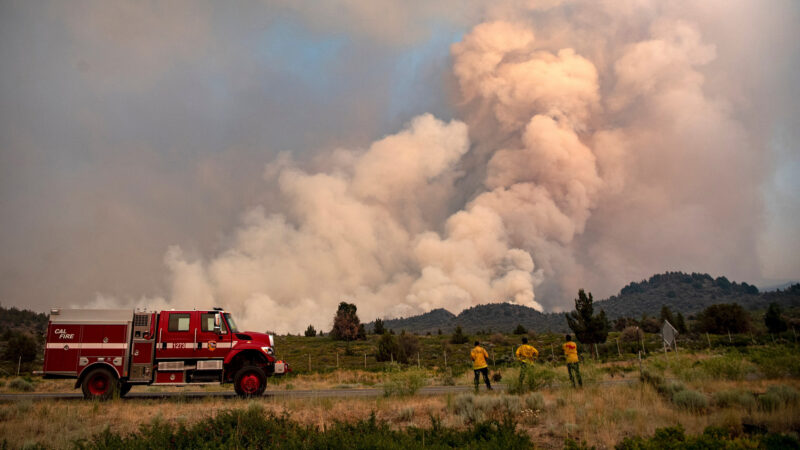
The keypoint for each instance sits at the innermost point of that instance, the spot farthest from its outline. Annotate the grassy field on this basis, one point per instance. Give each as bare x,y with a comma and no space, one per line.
744,385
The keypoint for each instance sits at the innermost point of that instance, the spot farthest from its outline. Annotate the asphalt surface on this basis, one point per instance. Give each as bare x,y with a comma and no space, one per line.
295,393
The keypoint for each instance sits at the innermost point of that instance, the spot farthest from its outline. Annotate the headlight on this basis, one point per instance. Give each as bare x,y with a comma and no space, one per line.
268,350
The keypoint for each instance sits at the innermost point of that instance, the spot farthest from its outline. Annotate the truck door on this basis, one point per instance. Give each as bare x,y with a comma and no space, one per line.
212,343
176,335
63,348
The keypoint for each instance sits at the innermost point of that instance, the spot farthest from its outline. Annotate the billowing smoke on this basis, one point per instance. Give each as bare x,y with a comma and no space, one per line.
590,150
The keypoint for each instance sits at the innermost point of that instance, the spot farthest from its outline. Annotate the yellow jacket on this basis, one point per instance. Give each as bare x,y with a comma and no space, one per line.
526,353
571,351
478,356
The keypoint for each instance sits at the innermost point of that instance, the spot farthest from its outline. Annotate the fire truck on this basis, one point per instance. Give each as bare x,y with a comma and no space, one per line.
108,351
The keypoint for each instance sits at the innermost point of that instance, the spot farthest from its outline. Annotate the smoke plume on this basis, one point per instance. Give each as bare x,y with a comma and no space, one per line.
592,143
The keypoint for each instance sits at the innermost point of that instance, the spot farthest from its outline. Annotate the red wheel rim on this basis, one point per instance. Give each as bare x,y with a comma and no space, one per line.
250,383
98,384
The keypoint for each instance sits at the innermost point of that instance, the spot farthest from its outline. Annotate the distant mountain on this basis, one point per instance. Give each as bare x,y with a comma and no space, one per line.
685,293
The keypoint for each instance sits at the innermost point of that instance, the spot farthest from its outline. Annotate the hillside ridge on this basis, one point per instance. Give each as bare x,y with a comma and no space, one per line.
682,292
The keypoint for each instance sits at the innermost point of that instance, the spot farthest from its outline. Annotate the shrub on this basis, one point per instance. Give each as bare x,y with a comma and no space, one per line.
459,337
474,408
787,395
534,401
776,362
388,348
769,402
712,437
19,384
404,383
632,334
520,329
723,318
731,366
498,339
536,377
691,400
735,397
406,414
253,428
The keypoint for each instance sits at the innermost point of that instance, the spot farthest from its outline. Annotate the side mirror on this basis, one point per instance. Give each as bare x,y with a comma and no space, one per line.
217,324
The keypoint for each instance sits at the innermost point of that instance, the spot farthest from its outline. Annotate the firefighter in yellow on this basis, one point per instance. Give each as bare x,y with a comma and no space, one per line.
478,356
571,354
525,355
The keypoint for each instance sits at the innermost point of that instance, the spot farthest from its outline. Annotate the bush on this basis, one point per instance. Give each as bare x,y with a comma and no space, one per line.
632,334
727,367
782,396
458,336
712,438
20,384
735,397
536,377
776,362
388,349
253,428
534,401
473,408
723,318
690,400
769,402
404,383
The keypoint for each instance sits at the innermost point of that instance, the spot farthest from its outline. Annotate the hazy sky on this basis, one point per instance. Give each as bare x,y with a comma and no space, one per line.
276,157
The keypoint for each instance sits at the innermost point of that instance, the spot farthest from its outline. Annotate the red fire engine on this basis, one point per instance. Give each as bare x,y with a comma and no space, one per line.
110,350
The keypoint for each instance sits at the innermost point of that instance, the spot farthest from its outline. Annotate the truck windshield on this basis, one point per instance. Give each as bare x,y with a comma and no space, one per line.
231,323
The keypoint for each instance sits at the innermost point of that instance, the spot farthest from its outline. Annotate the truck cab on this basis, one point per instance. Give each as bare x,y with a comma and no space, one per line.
109,351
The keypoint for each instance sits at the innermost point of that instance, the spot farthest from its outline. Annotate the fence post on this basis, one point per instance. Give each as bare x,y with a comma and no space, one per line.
309,362
365,360
19,364
729,337
552,353
445,359
641,341
337,360
618,350
709,341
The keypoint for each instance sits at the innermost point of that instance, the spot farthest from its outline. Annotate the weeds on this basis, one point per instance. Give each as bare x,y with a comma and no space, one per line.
535,377
735,397
712,437
690,400
404,383
20,384
253,429
779,396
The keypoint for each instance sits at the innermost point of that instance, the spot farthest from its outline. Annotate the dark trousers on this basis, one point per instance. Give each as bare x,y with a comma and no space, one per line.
485,372
574,372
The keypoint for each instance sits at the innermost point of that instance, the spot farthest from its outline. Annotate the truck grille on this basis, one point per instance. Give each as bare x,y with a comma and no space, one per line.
140,320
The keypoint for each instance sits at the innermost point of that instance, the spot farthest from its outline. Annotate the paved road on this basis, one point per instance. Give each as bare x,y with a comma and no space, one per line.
296,393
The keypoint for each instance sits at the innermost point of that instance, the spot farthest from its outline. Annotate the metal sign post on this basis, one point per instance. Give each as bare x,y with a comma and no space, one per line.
669,335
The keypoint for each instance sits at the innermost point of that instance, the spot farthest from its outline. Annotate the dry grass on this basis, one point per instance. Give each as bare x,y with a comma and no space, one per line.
601,415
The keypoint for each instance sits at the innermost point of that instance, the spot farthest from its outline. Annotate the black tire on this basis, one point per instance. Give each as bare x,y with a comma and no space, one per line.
250,381
124,389
100,384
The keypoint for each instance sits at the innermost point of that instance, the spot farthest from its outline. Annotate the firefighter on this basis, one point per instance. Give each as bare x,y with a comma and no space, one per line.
478,356
571,354
525,355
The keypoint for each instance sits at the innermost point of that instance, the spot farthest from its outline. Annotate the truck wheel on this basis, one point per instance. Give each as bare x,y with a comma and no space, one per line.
124,389
100,383
250,381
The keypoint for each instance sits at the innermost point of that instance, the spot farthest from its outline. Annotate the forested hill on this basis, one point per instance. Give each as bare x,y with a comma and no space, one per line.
685,293
22,320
